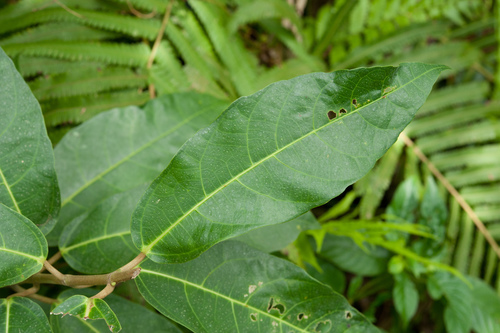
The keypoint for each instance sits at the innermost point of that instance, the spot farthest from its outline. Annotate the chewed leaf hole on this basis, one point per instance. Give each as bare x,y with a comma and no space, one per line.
342,111
253,317
275,306
331,115
323,326
301,316
348,315
354,102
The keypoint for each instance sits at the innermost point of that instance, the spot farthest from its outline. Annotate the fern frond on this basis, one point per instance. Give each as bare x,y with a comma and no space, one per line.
262,10
159,6
85,82
474,176
285,71
454,95
31,66
481,132
58,31
229,48
392,42
467,157
109,53
127,25
78,109
482,194
452,118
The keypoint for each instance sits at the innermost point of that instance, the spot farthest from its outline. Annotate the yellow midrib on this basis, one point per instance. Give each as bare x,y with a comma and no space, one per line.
4,181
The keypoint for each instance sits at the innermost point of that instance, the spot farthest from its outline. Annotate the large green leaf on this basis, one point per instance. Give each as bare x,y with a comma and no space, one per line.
233,288
28,182
133,317
124,148
276,154
22,315
99,241
23,248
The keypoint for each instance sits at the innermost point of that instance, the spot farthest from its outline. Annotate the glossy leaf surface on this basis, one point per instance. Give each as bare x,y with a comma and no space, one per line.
234,288
132,316
22,315
88,308
28,182
123,148
23,248
275,154
99,241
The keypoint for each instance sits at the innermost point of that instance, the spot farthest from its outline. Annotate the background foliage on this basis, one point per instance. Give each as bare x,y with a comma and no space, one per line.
81,58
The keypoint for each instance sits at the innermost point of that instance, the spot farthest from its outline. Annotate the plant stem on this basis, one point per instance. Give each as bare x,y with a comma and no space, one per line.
26,292
105,292
453,191
40,298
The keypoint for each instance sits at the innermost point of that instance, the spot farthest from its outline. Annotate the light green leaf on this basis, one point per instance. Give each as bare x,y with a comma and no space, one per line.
124,148
276,154
233,288
132,316
28,182
276,237
23,248
99,241
405,295
88,308
22,315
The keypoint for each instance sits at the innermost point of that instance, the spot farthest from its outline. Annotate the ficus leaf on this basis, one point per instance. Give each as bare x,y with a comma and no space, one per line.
22,315
23,248
123,148
28,182
234,288
88,308
275,154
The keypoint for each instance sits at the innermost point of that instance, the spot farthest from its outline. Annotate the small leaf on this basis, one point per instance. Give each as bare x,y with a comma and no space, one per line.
88,308
405,295
274,155
123,148
22,315
133,317
234,288
23,248
28,182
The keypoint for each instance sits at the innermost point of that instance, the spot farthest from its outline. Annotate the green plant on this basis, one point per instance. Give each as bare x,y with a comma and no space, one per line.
267,159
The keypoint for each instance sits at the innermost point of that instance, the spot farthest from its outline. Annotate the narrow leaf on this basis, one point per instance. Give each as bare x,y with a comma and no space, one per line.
233,288
28,182
88,308
124,148
23,248
22,315
276,154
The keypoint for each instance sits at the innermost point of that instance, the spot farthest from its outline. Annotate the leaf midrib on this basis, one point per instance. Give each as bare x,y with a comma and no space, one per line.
148,248
37,259
231,300
4,180
128,157
93,240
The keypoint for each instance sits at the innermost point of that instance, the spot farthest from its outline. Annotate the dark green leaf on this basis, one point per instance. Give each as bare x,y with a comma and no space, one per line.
23,248
233,288
124,148
28,182
22,315
99,241
276,154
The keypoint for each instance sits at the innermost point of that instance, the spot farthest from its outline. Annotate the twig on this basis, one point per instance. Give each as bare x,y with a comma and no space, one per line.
26,292
40,298
53,270
154,50
465,206
69,10
138,13
52,260
132,264
106,291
